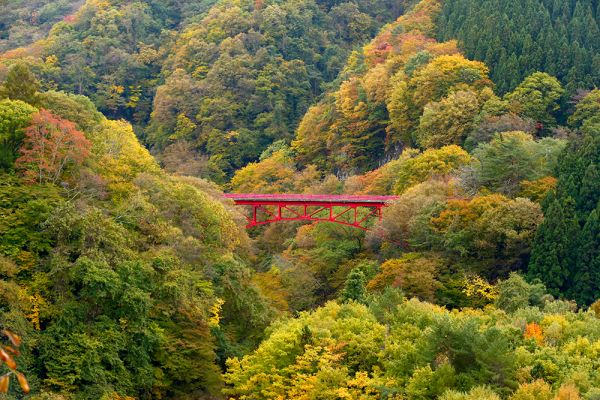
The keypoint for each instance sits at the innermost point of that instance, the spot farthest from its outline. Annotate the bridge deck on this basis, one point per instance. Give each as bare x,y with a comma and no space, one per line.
316,199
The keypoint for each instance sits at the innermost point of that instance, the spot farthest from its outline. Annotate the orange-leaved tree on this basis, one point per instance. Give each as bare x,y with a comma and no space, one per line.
534,331
51,145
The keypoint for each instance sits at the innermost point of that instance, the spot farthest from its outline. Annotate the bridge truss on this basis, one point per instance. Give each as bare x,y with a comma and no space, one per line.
354,211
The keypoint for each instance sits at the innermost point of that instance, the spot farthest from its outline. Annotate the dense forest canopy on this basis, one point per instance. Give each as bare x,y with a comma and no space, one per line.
517,38
23,22
125,273
171,67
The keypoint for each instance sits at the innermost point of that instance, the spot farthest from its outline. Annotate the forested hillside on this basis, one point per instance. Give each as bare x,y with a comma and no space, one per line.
23,22
126,274
517,38
258,65
119,277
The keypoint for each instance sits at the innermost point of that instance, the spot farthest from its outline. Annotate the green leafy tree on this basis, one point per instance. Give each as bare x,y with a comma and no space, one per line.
492,124
416,274
429,85
15,116
587,109
448,121
490,230
405,222
426,383
537,98
23,212
515,293
355,287
75,108
512,157
414,167
20,84
303,367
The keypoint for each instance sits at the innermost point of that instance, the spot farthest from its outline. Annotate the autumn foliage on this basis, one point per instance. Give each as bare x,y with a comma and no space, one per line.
51,145
127,282
7,358
534,331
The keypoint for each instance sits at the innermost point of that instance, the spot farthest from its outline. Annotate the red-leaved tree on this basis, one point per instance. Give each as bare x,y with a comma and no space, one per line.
51,145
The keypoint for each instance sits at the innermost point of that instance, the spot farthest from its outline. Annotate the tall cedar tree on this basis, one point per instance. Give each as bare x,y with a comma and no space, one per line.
355,288
555,246
564,254
586,282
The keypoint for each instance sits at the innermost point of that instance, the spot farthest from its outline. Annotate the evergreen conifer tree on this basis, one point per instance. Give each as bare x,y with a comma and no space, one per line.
589,191
586,280
566,255
355,288
554,249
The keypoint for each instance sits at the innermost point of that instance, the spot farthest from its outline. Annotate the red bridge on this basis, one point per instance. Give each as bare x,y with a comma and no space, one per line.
355,211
